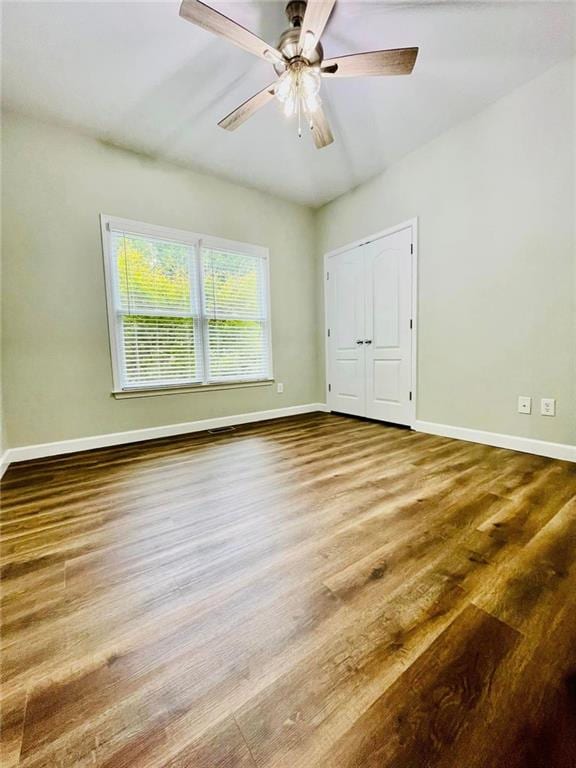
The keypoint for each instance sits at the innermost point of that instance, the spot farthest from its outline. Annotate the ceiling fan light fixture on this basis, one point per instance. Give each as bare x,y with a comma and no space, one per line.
298,90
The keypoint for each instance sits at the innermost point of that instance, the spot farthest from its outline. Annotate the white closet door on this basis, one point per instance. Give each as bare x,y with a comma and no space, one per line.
346,316
388,339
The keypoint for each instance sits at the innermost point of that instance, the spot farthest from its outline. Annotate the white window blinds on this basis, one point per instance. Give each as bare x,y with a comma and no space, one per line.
184,310
157,315
236,315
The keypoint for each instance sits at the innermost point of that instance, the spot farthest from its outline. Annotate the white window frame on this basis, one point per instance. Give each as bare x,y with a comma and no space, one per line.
197,241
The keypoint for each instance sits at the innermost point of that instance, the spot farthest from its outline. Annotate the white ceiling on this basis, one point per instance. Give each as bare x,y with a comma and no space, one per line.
136,74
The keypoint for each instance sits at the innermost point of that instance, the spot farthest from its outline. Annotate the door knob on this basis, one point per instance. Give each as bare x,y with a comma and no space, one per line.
367,341
359,341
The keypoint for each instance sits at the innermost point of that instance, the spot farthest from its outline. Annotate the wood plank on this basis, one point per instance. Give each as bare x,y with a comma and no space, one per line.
432,705
315,591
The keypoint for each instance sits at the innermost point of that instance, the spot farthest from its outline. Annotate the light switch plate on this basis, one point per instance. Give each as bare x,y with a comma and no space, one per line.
280,388
524,404
548,406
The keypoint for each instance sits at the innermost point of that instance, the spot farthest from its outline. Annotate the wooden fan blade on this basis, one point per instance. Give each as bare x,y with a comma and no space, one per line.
321,132
315,18
203,16
397,61
247,109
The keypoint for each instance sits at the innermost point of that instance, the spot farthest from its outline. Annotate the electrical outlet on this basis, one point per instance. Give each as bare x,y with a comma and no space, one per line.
524,404
280,388
548,406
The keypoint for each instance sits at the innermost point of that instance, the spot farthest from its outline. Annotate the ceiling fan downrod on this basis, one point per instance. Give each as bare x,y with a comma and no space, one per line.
295,11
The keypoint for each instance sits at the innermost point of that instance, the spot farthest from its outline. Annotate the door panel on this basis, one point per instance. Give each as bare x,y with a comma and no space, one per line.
388,265
346,316
387,380
385,298
349,317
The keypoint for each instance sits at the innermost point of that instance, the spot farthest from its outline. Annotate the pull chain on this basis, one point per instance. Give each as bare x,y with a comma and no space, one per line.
299,98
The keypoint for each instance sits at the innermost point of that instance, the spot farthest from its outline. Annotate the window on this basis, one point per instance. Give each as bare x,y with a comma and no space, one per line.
184,309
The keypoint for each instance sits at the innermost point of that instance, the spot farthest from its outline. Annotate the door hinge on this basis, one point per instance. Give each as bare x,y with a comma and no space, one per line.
328,331
410,396
329,387
327,275
411,324
412,248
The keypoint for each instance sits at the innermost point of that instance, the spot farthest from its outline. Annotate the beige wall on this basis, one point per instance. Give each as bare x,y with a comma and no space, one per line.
57,373
495,201
3,440
497,318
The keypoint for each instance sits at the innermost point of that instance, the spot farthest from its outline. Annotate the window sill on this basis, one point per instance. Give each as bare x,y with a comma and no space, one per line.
126,394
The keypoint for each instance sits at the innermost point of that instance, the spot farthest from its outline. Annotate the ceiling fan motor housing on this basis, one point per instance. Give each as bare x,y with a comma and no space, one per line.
288,44
289,48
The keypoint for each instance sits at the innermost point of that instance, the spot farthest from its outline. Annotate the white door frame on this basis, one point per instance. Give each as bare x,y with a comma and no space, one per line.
410,224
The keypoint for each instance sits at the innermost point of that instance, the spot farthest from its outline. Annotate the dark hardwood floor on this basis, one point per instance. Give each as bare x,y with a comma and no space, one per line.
316,592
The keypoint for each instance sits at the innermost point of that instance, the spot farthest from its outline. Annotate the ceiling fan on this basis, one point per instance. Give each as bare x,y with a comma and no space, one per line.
299,62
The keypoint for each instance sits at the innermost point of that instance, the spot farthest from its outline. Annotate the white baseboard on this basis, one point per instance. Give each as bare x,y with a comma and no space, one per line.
4,462
27,452
514,443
